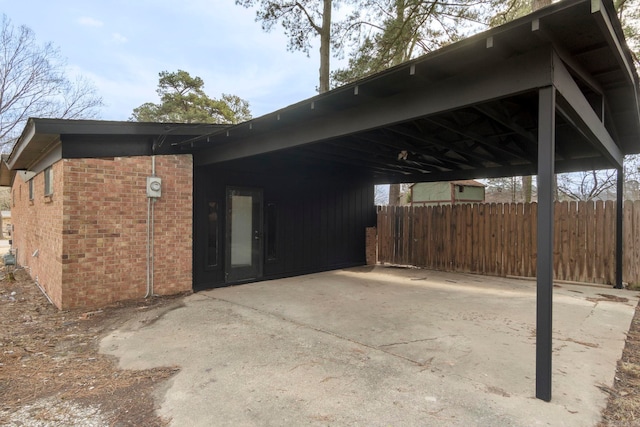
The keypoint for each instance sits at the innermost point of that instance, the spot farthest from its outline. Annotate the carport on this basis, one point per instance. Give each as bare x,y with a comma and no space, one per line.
555,91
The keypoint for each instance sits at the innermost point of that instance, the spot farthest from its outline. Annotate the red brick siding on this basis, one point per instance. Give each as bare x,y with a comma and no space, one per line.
371,237
38,227
102,229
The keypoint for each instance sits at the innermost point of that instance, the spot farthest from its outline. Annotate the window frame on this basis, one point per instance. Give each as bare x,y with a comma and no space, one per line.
212,252
48,181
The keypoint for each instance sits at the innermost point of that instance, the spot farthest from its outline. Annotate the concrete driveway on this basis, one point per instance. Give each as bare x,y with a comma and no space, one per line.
378,347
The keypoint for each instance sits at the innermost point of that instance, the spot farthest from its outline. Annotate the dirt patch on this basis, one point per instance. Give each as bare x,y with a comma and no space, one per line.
607,297
623,407
51,372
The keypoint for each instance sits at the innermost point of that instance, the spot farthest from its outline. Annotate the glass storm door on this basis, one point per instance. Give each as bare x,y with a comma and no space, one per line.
244,234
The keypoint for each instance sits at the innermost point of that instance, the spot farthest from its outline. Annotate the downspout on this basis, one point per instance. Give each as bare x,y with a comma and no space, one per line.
150,226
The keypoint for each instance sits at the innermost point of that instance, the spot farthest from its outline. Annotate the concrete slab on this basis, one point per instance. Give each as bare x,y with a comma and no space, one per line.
378,347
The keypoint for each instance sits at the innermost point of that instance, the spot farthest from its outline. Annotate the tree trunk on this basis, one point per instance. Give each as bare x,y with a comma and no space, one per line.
325,47
394,194
526,188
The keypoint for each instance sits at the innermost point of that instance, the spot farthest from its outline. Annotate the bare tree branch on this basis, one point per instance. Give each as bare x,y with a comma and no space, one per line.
33,83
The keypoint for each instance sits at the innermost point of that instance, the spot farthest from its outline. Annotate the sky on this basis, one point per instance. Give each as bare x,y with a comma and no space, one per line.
122,45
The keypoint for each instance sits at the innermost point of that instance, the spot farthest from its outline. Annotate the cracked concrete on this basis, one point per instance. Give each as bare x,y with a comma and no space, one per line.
379,346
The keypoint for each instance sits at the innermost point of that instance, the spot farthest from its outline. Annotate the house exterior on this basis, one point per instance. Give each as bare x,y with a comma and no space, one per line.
446,193
291,192
91,231
81,221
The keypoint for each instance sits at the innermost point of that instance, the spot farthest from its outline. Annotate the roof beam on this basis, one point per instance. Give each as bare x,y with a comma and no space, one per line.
473,159
577,110
341,150
354,146
468,88
480,139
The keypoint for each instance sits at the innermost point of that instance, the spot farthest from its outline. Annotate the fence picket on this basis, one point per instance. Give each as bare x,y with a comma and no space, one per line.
501,239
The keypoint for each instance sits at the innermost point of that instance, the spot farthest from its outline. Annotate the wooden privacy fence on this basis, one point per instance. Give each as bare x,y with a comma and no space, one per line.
500,239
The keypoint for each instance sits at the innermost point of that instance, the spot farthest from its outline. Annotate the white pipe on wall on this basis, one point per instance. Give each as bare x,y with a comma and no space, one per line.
150,235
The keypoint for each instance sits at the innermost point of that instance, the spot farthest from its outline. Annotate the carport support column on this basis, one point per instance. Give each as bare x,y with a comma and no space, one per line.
619,199
544,300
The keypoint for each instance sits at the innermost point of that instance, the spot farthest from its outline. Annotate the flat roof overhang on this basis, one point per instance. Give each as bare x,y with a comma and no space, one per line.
469,110
41,141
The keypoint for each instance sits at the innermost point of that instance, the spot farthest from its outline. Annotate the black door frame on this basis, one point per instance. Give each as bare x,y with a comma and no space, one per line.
254,270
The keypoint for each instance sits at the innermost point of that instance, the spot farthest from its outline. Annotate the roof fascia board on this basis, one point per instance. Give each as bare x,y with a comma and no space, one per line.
23,141
103,127
579,111
515,75
600,14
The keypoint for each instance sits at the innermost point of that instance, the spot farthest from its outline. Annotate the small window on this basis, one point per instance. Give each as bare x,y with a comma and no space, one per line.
31,189
48,181
271,226
213,234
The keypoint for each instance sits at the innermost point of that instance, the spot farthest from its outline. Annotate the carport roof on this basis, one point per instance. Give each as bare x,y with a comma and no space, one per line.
468,110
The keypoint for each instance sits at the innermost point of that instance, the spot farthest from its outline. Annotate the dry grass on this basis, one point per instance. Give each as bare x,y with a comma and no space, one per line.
623,407
51,371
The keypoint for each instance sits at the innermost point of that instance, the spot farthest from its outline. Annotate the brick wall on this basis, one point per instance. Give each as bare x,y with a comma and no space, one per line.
371,245
37,236
101,215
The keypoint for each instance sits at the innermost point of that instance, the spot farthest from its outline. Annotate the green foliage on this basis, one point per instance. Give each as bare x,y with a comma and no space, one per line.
629,14
183,100
390,32
510,10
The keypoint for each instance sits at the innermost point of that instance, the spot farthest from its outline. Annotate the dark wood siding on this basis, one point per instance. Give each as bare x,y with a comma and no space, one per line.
321,216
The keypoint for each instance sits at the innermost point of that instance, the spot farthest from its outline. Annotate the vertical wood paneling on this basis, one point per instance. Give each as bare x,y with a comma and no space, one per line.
581,247
590,236
500,239
634,275
527,250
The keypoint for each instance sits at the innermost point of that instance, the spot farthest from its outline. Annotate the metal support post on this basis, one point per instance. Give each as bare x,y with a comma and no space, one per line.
544,299
619,199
